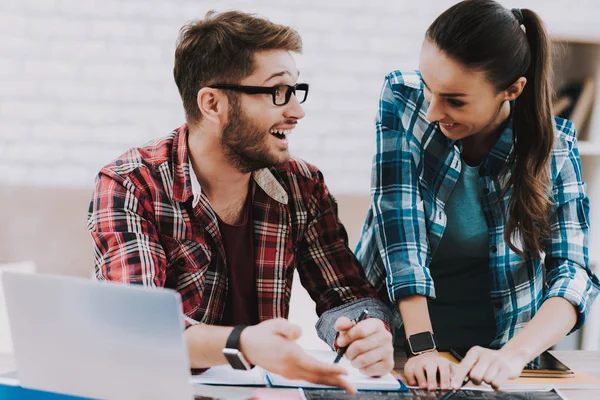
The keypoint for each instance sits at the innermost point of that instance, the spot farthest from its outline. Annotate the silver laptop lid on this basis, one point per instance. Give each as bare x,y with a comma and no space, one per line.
100,340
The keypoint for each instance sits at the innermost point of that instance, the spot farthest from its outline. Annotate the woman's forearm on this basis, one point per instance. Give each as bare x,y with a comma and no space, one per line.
415,314
555,318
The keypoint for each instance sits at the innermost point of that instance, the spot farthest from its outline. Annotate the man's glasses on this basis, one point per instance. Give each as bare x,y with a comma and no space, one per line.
281,93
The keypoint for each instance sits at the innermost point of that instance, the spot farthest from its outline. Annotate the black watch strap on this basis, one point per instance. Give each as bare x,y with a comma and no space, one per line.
232,351
233,341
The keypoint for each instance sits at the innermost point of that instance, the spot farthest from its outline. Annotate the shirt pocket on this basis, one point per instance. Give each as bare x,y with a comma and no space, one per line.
187,265
185,255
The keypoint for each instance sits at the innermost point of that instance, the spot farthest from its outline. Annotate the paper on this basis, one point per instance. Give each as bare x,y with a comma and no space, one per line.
578,381
226,375
6,345
221,392
362,382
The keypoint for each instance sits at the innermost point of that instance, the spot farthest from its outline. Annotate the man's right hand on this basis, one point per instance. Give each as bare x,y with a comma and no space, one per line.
422,371
272,346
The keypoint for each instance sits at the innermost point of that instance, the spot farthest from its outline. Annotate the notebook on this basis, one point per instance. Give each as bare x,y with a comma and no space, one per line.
226,375
546,366
362,382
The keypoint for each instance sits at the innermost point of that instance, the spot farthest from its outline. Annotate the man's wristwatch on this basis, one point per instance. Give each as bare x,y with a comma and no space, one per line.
420,343
232,350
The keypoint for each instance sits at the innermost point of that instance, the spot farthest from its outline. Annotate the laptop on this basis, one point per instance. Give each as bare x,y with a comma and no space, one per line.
97,339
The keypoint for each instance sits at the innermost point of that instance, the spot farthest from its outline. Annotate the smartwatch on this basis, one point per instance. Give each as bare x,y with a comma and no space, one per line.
232,350
420,343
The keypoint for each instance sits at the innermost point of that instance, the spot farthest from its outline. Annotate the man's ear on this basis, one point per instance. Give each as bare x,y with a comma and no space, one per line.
515,89
212,104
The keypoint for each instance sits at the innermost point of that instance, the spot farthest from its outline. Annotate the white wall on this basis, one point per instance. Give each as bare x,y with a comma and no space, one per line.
83,80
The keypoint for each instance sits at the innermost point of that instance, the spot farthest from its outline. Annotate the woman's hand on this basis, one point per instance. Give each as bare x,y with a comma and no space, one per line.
490,366
422,371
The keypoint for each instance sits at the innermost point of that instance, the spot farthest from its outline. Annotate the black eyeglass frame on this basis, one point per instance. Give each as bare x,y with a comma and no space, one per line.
272,90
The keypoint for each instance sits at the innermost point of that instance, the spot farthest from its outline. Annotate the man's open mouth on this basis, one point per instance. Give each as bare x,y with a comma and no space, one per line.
280,133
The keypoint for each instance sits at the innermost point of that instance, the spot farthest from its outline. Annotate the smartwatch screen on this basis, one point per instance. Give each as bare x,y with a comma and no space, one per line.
421,342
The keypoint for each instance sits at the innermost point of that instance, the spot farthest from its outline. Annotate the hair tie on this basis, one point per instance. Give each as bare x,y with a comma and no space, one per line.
518,15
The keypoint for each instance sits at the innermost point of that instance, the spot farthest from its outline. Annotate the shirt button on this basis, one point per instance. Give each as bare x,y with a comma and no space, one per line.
498,304
180,262
494,249
486,191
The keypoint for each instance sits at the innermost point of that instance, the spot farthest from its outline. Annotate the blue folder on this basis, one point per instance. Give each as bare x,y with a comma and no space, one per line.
8,392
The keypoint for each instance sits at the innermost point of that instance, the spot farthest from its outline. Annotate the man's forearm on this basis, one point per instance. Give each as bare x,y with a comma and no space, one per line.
415,314
555,318
326,324
205,344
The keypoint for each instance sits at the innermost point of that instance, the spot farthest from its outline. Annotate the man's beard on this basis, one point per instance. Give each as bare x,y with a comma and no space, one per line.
244,144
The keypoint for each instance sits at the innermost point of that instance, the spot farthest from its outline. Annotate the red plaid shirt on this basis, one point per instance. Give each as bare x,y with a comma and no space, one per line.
153,226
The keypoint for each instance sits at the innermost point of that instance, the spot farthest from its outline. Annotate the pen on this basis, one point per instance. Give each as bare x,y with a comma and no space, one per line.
459,358
453,391
342,350
455,354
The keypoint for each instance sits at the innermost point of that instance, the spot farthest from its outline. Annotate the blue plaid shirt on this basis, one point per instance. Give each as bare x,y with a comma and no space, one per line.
415,168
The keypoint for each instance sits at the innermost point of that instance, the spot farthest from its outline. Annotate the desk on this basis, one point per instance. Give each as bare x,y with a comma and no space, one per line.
583,361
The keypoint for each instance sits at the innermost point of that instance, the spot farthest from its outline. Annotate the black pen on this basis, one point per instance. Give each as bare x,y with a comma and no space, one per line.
453,391
455,354
459,358
342,350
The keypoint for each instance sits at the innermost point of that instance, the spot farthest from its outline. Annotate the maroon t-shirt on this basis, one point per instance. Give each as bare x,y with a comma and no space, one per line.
241,307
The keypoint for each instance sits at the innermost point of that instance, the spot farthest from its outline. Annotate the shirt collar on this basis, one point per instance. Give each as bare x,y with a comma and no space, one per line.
499,155
185,181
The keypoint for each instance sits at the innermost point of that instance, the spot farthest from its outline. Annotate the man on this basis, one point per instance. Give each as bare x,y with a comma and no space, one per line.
218,211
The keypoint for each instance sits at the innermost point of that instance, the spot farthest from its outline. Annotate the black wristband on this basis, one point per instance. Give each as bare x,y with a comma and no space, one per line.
233,341
232,351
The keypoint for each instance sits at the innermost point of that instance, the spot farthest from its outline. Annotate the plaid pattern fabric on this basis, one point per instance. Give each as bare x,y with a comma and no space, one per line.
152,225
414,171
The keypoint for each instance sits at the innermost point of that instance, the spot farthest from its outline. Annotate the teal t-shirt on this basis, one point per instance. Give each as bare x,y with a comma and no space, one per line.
462,314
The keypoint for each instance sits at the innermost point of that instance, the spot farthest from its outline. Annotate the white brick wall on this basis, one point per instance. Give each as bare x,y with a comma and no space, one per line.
82,80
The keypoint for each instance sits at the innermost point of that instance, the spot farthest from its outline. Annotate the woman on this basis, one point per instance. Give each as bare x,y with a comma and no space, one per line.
478,230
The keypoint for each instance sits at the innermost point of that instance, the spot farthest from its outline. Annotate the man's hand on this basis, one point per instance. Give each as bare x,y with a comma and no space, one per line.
422,371
272,345
491,366
370,347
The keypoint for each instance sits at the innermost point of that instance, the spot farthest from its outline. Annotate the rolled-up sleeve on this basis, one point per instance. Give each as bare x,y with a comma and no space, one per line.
568,273
399,227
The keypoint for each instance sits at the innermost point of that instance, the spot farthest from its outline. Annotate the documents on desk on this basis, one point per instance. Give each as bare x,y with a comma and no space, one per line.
226,375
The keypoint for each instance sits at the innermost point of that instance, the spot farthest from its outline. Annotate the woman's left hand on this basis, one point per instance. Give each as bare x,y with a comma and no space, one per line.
490,366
